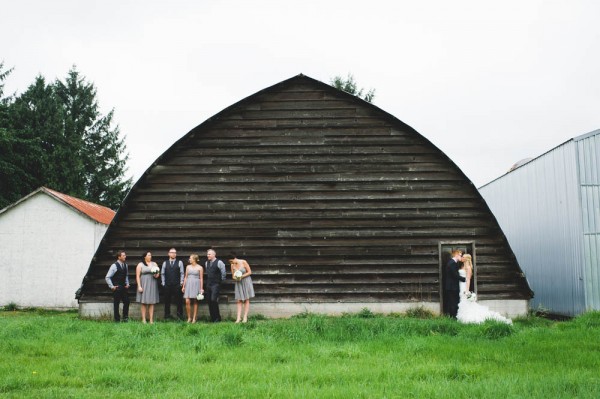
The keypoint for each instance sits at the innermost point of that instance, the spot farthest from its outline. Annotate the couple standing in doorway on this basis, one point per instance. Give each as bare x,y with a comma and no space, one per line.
452,285
461,302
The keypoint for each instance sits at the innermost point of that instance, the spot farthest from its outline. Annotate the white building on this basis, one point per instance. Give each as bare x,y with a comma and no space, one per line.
47,240
549,209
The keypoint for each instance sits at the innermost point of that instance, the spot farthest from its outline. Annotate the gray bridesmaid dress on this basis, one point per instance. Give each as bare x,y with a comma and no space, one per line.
192,284
244,288
150,286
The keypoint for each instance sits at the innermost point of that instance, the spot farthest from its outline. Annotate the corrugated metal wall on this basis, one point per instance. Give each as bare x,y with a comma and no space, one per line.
538,207
588,151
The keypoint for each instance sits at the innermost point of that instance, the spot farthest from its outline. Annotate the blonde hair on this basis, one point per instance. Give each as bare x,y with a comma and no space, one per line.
467,260
195,257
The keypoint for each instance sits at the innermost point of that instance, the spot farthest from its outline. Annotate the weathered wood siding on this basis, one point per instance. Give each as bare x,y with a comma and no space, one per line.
328,197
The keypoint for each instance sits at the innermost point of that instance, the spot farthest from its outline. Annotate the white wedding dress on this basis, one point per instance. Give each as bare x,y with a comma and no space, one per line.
471,311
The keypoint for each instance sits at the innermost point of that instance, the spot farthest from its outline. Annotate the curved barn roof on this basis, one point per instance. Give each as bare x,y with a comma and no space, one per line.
329,198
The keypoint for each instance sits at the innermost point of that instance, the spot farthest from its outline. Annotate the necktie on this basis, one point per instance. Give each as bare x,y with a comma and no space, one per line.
172,263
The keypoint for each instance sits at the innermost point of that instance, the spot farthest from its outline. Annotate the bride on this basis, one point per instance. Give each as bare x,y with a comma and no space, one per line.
470,311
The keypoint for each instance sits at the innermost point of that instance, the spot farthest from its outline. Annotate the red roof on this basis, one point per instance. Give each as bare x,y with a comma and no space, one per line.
97,212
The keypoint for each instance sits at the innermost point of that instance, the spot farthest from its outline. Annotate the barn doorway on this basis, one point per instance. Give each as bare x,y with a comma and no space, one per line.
445,253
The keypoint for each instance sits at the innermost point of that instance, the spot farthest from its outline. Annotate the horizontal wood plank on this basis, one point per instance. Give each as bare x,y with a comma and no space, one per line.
328,198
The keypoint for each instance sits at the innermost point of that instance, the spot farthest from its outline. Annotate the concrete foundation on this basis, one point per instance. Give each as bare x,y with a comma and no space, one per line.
100,310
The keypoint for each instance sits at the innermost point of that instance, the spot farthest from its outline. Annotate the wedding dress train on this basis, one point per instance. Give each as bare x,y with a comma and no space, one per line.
472,312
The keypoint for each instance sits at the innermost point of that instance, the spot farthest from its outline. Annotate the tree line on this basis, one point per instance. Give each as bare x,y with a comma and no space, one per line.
54,135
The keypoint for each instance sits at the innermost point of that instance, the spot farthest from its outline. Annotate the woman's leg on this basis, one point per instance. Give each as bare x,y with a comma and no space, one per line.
239,312
246,309
143,307
151,313
187,309
195,311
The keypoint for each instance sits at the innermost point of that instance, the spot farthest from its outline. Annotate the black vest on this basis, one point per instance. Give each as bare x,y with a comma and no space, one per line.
213,273
172,273
119,277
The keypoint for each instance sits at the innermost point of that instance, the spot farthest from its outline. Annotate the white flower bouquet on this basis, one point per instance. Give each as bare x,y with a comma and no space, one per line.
155,270
200,296
237,275
471,296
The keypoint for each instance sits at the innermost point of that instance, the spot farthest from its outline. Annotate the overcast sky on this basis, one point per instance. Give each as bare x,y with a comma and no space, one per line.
488,82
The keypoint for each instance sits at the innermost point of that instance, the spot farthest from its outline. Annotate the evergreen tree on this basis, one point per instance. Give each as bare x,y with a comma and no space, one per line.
105,163
37,115
350,86
103,154
16,157
54,135
21,156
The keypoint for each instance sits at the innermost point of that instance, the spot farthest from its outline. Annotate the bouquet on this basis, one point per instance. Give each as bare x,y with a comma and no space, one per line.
471,296
237,275
200,296
155,270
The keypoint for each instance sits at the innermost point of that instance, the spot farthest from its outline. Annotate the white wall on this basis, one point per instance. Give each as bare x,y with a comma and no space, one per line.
46,248
510,308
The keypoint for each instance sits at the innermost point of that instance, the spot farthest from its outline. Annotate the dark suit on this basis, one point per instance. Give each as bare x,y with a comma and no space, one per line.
214,274
451,287
172,281
117,279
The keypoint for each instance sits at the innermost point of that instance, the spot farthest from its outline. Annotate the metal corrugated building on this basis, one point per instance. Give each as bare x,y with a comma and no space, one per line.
549,209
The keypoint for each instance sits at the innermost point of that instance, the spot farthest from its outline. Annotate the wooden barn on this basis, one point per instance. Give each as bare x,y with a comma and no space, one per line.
336,204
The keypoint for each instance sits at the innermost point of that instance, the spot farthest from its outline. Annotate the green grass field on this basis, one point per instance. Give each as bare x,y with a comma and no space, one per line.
48,355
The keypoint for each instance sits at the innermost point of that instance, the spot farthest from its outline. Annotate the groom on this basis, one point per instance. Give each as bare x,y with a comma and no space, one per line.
452,280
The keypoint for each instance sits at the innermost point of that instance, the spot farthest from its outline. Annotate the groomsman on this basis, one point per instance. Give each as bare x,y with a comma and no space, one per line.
117,279
214,274
452,287
171,277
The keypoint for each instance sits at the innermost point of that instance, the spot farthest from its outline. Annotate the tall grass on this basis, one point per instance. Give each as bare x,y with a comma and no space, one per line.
361,356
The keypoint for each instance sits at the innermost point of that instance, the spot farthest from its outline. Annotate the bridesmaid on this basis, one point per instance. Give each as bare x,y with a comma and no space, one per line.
244,290
192,286
147,285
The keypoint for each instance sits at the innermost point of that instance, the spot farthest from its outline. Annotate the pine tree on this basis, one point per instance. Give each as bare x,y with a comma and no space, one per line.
37,115
105,163
102,153
54,135
350,86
